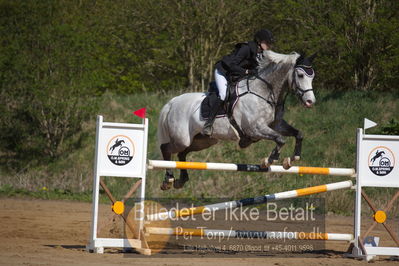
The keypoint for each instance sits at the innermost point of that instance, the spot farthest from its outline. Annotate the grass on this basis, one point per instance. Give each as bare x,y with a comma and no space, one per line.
44,193
329,129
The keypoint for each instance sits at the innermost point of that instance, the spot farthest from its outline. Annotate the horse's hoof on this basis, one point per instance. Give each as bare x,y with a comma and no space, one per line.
244,142
179,184
207,131
287,163
265,163
166,185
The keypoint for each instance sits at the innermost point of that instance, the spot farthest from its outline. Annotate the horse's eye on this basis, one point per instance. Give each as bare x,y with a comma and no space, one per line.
300,76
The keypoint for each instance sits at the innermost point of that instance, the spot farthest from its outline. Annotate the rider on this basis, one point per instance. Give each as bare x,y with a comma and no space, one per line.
233,67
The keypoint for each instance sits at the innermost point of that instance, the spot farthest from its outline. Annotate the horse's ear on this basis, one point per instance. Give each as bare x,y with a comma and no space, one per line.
301,57
302,54
312,57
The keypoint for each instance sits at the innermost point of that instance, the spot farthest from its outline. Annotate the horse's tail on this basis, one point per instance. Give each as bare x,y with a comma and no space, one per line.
163,127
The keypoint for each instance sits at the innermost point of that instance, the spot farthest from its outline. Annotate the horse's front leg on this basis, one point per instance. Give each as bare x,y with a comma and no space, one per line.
179,183
287,130
268,133
199,142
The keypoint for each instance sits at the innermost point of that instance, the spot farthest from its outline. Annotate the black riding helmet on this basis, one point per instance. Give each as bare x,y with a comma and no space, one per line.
264,35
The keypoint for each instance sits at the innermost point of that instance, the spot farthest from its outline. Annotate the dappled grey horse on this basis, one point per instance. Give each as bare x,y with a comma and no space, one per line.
258,113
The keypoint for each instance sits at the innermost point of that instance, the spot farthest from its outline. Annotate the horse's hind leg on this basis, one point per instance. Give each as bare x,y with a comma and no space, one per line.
169,178
200,142
179,183
287,130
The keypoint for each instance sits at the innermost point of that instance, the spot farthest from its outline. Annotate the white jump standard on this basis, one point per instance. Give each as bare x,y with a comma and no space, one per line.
121,151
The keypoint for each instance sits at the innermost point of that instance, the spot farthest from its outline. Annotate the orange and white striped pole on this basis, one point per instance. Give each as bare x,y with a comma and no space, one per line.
158,164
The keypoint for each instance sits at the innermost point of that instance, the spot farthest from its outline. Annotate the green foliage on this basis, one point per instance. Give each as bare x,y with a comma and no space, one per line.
391,128
47,74
44,193
355,40
131,46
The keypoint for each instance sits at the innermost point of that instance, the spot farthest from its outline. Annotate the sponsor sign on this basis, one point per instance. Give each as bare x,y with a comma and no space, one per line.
381,161
120,150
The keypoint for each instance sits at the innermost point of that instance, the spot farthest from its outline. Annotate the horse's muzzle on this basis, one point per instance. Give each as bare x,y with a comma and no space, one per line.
308,103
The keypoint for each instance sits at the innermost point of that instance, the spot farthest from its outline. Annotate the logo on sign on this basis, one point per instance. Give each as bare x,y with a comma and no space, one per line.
120,150
381,161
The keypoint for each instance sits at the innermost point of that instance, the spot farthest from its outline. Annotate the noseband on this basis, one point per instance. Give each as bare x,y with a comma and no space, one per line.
300,92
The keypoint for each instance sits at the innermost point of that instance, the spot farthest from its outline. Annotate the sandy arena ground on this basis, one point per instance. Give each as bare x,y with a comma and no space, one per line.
39,232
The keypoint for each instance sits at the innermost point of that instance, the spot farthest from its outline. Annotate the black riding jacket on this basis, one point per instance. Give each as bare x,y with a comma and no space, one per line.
234,65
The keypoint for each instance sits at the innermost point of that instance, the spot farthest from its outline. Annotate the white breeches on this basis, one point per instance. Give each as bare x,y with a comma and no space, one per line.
221,83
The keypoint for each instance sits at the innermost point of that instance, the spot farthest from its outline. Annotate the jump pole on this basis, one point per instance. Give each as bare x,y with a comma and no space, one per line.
226,234
158,164
250,201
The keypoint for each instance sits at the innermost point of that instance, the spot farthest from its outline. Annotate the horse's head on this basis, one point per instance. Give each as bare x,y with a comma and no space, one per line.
302,80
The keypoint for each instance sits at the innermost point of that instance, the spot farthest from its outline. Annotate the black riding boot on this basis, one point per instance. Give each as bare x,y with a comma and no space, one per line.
207,130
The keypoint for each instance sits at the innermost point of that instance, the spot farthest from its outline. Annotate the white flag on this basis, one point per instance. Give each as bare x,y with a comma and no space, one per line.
368,124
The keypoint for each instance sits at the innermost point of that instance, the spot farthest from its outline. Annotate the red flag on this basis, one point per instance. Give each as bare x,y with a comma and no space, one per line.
140,112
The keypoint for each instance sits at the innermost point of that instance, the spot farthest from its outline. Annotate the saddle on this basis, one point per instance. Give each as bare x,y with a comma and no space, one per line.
227,111
213,93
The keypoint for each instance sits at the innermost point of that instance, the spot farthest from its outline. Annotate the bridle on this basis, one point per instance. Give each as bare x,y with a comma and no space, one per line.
310,73
272,101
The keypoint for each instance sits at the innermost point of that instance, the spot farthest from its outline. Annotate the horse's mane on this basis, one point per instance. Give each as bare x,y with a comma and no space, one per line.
270,57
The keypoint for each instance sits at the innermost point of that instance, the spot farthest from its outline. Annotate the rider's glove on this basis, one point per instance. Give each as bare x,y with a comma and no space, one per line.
251,72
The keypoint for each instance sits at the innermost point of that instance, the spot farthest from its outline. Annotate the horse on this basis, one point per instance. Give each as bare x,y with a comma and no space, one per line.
258,113
377,155
117,144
